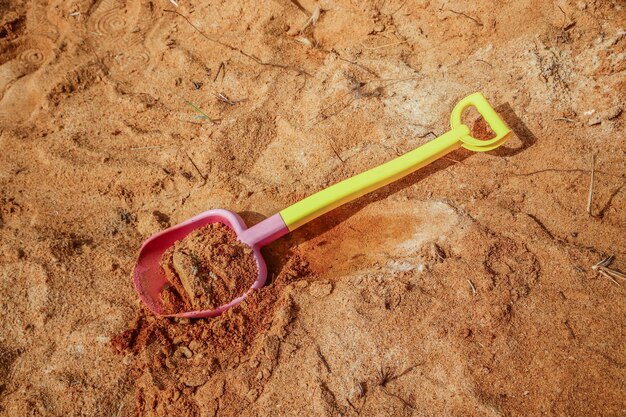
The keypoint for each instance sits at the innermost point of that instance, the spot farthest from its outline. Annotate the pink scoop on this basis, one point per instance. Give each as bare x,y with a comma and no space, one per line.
149,278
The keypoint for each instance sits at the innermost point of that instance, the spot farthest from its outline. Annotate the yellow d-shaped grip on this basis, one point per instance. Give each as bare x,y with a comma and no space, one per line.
491,117
323,201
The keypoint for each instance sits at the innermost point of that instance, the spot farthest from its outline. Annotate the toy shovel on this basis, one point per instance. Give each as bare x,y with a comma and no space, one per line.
149,279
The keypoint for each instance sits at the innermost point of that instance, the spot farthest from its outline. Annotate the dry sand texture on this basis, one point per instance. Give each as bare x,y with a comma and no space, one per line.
465,289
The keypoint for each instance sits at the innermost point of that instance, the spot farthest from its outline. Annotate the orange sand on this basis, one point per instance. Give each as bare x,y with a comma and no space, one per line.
464,289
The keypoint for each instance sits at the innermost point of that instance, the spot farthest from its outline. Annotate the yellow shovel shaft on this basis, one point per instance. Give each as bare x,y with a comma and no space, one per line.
322,202
347,190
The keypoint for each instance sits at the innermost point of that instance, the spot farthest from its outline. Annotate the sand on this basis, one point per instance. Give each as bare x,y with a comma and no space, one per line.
207,269
465,289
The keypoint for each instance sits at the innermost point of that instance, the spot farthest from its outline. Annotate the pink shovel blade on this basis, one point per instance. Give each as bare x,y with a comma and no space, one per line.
149,278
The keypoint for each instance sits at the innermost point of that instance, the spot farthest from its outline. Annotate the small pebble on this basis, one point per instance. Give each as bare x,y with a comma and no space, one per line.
185,351
465,333
195,345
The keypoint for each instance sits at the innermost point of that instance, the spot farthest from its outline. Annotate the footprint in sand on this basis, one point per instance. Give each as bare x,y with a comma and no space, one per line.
28,61
32,57
20,86
111,22
24,58
133,59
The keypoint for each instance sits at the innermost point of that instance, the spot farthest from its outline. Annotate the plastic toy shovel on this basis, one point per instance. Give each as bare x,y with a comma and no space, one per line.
149,279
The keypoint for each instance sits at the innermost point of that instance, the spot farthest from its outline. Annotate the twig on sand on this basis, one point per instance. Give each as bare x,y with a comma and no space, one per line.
322,359
398,9
299,6
221,97
232,48
383,376
322,113
390,81
204,177
602,267
355,63
478,22
593,172
335,151
472,286
427,134
398,397
312,20
222,69
141,148
564,119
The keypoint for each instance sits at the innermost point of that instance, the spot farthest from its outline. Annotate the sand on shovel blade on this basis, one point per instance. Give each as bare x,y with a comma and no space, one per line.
207,269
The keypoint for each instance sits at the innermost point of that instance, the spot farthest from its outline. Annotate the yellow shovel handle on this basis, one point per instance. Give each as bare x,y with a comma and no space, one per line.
323,201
